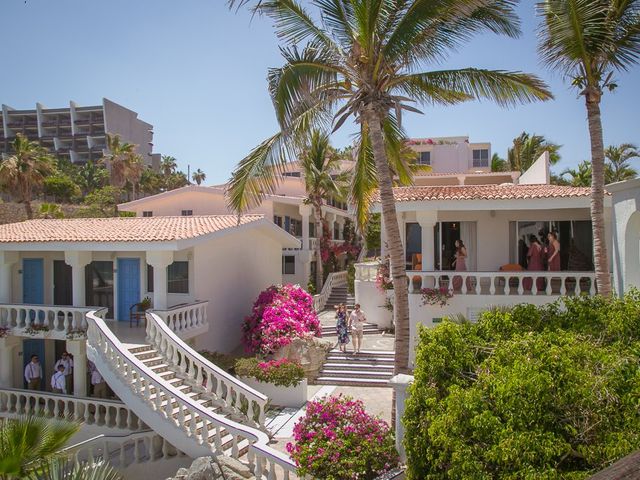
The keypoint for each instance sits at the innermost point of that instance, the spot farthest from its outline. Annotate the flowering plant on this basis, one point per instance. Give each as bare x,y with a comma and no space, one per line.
282,373
4,331
77,333
338,440
36,328
436,296
281,313
383,280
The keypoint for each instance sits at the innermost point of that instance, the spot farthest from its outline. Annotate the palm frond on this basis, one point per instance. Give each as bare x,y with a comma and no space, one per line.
66,469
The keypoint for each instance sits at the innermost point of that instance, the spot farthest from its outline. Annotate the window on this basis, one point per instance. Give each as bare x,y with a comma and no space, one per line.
312,229
481,158
187,213
147,213
178,277
424,158
149,278
288,265
336,231
296,228
277,219
292,174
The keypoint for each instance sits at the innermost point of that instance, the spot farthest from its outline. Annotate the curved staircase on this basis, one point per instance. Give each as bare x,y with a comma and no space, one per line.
188,401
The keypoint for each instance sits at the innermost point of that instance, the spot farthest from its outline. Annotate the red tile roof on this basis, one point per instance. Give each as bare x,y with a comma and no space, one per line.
485,192
124,229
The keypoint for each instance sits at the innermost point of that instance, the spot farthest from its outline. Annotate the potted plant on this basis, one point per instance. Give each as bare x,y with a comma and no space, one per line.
36,329
4,331
145,304
436,296
283,380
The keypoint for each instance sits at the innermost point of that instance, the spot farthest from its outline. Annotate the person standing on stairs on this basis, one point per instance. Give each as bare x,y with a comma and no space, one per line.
341,327
356,324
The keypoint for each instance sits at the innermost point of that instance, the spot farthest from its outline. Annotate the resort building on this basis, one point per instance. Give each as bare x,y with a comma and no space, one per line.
78,133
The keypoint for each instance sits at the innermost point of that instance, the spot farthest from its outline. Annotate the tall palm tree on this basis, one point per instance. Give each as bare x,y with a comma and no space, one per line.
198,176
364,59
580,177
319,164
588,41
25,170
499,164
117,159
134,169
617,167
527,149
168,165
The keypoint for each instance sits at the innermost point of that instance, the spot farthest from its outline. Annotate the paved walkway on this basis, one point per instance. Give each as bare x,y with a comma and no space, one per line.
379,341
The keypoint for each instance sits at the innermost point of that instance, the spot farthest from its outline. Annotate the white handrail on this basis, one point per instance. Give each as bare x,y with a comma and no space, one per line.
199,371
192,420
334,279
53,320
187,321
367,272
93,411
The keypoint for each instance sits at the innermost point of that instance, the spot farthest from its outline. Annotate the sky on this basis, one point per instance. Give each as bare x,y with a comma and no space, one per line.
197,72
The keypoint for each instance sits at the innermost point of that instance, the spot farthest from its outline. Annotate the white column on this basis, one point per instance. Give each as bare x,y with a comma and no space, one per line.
7,346
78,261
78,348
427,221
7,259
305,211
160,260
330,217
400,383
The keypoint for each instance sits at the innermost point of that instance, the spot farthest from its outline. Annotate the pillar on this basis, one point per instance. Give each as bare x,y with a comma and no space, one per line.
400,383
305,211
160,260
78,348
7,259
331,218
78,260
427,220
7,346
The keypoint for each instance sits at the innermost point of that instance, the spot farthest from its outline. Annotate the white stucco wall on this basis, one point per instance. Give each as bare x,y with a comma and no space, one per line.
538,173
626,235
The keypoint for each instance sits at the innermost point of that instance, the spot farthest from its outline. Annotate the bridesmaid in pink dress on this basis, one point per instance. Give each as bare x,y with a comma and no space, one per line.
553,252
535,263
461,264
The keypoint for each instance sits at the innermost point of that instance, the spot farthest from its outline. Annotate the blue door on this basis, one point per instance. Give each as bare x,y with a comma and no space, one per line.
33,281
128,286
34,347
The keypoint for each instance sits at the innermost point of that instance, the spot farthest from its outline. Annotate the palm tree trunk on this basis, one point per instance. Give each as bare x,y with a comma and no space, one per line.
600,257
28,209
317,211
396,250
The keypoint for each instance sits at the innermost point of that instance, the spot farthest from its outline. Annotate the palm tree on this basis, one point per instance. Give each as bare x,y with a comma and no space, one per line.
527,149
91,177
28,442
498,164
364,59
589,41
169,165
580,177
134,169
319,164
25,171
198,176
59,469
50,210
117,160
617,168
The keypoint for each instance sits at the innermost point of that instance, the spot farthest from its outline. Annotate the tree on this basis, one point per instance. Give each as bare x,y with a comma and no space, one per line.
320,165
28,442
198,176
135,167
498,164
168,165
50,210
61,187
617,157
25,170
580,177
363,60
527,149
117,160
91,177
588,41
103,202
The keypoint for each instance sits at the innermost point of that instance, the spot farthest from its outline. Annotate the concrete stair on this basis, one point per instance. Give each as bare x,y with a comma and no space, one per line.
369,368
340,295
369,329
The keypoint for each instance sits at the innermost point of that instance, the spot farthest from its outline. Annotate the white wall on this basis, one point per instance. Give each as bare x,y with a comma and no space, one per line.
538,173
626,235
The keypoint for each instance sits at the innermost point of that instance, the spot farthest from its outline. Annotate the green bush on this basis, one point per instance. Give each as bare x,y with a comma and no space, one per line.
222,360
282,373
533,392
60,186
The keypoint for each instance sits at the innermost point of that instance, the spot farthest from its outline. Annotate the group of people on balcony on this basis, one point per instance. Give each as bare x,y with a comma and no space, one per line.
542,257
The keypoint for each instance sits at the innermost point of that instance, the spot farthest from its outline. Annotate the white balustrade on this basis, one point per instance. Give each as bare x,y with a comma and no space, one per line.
366,272
187,321
335,279
543,283
92,411
173,412
201,373
55,321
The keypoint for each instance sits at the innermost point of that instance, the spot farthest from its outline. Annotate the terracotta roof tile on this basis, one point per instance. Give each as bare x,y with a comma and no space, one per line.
123,229
485,192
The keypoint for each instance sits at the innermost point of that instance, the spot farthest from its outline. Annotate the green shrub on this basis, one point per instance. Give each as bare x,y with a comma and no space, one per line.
222,360
283,372
532,392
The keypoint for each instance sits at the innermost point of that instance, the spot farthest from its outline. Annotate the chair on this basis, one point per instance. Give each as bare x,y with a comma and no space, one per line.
416,262
137,312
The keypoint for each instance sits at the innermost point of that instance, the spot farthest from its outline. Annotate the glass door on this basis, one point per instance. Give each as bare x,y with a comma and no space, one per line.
99,285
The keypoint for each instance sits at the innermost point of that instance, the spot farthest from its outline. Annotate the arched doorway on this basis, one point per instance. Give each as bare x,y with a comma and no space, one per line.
632,252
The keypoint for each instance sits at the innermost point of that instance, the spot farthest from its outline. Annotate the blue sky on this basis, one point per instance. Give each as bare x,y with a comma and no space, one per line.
197,72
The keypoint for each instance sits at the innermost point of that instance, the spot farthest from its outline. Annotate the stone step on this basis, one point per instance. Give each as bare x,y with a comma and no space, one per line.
140,349
356,373
382,367
352,382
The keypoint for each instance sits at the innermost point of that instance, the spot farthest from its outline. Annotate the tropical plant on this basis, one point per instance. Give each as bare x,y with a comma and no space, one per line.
337,439
528,392
168,165
67,469
589,41
117,159
364,60
526,149
580,177
50,210
61,187
103,202
282,372
198,176
91,177
25,170
135,168
617,167
27,443
499,164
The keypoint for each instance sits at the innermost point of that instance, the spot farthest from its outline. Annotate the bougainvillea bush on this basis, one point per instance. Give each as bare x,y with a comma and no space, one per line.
281,313
338,440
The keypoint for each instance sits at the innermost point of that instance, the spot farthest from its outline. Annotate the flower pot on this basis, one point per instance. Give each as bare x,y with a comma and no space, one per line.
295,396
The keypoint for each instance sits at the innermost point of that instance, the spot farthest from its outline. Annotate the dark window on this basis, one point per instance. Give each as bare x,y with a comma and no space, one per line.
289,265
178,277
481,158
147,213
277,219
424,158
292,174
149,278
187,213
99,285
312,229
414,243
336,231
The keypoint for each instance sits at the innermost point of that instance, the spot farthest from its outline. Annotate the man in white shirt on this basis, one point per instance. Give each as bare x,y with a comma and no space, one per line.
33,373
58,384
67,362
356,323
99,385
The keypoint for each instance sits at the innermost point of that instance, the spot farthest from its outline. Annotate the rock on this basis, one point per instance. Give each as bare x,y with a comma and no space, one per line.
309,351
233,469
218,467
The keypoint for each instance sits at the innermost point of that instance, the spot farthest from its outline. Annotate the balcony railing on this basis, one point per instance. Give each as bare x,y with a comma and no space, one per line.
52,321
186,320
